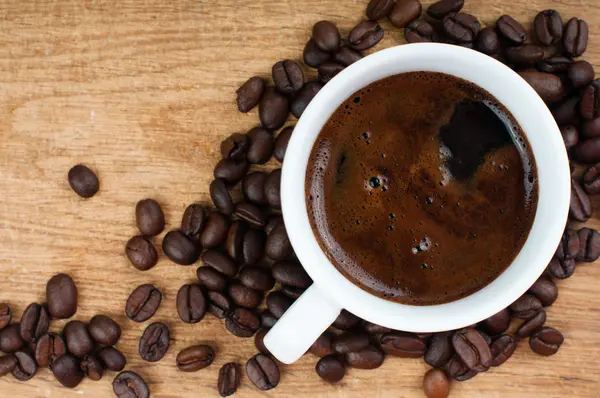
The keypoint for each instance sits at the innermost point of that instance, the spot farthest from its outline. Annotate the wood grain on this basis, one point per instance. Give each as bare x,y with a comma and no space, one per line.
143,92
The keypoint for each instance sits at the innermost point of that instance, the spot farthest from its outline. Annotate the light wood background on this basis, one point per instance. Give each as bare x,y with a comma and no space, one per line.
143,92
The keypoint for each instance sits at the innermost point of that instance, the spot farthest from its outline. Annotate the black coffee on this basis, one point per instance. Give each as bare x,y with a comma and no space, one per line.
421,188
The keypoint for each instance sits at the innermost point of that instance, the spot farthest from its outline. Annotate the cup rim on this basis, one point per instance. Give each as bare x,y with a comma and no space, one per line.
548,149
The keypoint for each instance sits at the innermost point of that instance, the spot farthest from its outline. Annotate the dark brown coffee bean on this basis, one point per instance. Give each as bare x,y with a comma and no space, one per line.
235,147
230,170
546,341
34,322
589,249
261,145
328,70
154,342
49,347
404,345
570,136
404,12
313,56
590,128
221,197
331,369
272,222
350,342
229,379
253,187
461,27
278,303
323,346
365,35
472,349
179,248
288,76
575,37
439,349
556,64
251,214
589,107
253,246
440,9
273,110
281,143
581,73
220,261
304,96
267,320
7,364
92,368
511,30
502,349
194,358
104,330
291,274
326,36
568,247
526,306
545,290
257,278
25,368
235,240
497,323
112,359
215,230
250,93
244,296
548,86
291,291
457,369
193,221
191,303
5,315
581,208
61,296
67,371
487,41
141,253
531,325
130,385
143,303
278,246
379,9
567,111
219,305
83,181
346,320
369,358
525,54
561,269
262,372
346,56
259,342
211,278
10,339
79,342
588,151
548,27
149,217
486,337
272,189
242,323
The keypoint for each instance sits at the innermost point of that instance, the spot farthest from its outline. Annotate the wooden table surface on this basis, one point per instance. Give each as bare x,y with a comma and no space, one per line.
143,92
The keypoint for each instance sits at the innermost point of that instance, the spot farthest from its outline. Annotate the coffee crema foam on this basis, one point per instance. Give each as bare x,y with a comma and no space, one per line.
421,188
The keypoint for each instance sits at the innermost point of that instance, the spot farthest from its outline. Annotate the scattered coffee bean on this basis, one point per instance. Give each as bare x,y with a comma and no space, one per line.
130,385
281,142
149,217
313,55
194,358
461,27
457,369
154,343
141,253
291,274
7,364
235,147
502,349
346,320
256,278
5,315
261,145
373,328
26,367
548,27
526,306
581,73
259,342
420,31
267,320
379,9
581,208
262,372
511,30
591,128
220,261
591,180
545,290
229,379
548,86
440,9
436,384
346,56
230,170
61,296
525,54
250,93
67,371
472,349
288,76
575,37
487,41
404,12
253,187
569,245
589,107
328,70
588,151
83,181
242,323
251,214
365,35
273,109
291,291
10,339
323,345
531,325
48,348
92,368
589,250
557,64
221,197
34,322
104,330
219,305
272,222
439,349
215,231
278,303
326,36
567,111
304,96
331,369
191,303
179,248
570,136
211,278
369,358
235,240
244,296
351,342
143,303
561,269
278,246
401,344
112,359
79,342
253,246
272,189
546,341
497,323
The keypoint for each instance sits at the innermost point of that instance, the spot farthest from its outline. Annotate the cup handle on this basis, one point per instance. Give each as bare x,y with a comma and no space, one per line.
301,325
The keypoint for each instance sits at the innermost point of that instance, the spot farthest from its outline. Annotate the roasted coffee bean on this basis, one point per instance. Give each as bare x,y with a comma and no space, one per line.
591,180
272,222
191,303
487,41
472,349
25,368
346,56
351,342
570,136
273,110
458,370
525,54
104,330
497,323
83,181
154,343
440,9
346,320
179,248
79,342
326,36
328,70
548,86
272,189
511,30
281,143
502,349
250,93
486,337
526,306
531,325
67,371
61,296
242,323
567,111
215,231
291,274
211,278
143,303
313,55
561,269
92,367
10,339
323,345
253,246
262,372
436,384
149,217
548,27
278,303
253,187
259,342
7,364
221,197
461,27
439,349
545,290
229,379
261,145
219,305
369,358
112,359
581,73
373,328
331,369
267,320
589,107
130,385
365,35
568,247
251,214
49,347
34,322
5,315
235,147
590,128
244,296
575,37
304,96
278,246
220,261
379,9
404,345
194,358
235,240
288,76
546,341
556,64
193,220
404,12
291,291
141,253
256,278
581,208
589,250
588,151
230,170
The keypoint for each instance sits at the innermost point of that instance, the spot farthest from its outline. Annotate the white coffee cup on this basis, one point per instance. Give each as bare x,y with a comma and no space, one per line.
331,292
